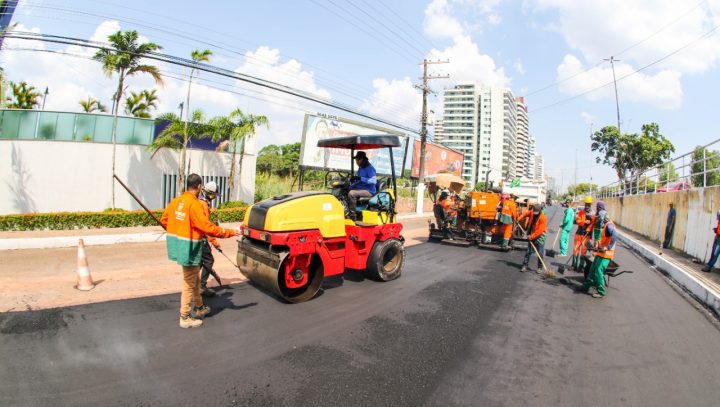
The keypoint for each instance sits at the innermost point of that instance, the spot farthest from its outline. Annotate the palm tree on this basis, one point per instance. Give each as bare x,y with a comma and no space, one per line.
124,57
197,57
24,96
232,130
173,136
92,105
140,104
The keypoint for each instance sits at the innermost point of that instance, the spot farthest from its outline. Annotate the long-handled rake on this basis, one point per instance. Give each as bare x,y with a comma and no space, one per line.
547,273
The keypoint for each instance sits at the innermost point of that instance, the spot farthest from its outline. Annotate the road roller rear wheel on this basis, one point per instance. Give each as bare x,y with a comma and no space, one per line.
300,277
386,260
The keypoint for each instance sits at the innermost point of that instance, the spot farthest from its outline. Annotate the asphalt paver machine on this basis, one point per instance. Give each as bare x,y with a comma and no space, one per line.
291,242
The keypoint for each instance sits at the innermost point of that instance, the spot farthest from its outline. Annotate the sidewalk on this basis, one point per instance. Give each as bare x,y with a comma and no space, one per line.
45,278
680,267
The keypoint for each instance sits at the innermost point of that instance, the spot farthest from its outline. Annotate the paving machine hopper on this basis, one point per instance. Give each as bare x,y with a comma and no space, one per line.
290,243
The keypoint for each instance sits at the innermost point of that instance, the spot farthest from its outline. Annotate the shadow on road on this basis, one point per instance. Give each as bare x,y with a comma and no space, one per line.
223,301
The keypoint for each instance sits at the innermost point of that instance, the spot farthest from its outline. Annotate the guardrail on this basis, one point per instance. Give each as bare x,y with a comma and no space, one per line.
698,168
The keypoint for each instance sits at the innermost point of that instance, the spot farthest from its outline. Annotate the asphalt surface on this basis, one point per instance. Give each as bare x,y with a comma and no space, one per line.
461,327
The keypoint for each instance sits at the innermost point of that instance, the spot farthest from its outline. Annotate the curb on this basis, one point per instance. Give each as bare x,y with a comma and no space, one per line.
95,240
72,241
697,288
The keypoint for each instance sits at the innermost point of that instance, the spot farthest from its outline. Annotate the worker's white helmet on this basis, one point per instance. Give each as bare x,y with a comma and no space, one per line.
211,187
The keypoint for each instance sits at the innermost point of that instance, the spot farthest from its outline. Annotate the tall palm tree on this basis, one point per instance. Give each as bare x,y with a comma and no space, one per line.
92,105
24,96
140,104
232,130
124,57
197,56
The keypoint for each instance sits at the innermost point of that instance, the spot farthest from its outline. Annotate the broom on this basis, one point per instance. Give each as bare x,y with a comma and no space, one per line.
547,273
551,252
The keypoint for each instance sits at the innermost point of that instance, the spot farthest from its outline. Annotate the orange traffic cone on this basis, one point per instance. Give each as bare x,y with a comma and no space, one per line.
85,282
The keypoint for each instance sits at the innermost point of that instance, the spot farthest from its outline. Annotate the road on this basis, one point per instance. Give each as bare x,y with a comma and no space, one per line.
461,327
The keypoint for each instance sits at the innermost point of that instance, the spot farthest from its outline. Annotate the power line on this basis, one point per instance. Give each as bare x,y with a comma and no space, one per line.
212,69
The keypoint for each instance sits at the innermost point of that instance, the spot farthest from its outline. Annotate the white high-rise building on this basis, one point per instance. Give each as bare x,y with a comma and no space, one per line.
530,171
539,168
523,133
481,122
438,134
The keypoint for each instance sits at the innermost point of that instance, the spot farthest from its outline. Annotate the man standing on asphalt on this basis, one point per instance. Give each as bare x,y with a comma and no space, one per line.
566,227
536,236
715,253
582,220
366,183
508,217
209,192
186,224
604,251
669,227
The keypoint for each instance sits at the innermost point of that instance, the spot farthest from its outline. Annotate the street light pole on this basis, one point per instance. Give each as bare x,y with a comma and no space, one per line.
617,102
45,97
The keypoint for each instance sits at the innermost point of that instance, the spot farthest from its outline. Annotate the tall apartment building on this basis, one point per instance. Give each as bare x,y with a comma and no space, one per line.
523,134
481,122
438,133
530,171
539,167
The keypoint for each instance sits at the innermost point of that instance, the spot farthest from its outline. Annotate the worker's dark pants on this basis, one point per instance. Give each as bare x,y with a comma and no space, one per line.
540,248
715,253
207,263
668,235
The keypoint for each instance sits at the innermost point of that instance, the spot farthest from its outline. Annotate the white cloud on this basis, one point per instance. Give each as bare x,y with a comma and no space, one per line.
438,21
588,118
519,68
467,63
662,90
71,79
396,99
657,26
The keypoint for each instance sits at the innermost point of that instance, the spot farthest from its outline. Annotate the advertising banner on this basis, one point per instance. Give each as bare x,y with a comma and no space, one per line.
319,127
437,159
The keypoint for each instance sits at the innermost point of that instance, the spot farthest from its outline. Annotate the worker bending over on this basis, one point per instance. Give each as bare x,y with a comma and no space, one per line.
536,235
604,251
186,224
582,220
566,227
508,217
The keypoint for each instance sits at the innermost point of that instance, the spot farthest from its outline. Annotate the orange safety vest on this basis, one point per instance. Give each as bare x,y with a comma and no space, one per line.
206,210
604,242
449,207
717,228
510,209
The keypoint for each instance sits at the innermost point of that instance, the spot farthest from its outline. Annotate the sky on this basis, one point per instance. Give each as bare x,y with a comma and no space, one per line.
367,53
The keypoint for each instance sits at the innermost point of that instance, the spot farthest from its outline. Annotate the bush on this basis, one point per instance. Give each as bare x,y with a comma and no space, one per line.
96,220
232,204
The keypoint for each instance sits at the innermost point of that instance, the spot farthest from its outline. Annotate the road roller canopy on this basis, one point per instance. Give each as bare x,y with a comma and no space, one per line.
361,142
445,181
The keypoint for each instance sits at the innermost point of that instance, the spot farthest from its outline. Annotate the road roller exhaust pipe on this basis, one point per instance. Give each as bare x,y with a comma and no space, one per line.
294,279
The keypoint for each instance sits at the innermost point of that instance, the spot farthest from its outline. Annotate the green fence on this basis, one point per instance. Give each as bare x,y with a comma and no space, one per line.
44,125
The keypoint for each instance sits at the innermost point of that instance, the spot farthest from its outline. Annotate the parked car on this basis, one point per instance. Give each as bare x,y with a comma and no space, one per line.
676,186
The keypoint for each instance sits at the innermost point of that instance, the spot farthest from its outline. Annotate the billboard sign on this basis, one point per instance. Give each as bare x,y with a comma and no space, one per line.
437,159
319,127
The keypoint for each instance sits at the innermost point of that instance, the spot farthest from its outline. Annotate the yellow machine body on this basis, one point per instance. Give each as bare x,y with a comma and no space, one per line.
379,217
298,211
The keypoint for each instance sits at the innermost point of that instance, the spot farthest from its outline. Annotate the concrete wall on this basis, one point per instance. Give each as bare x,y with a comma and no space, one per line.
54,176
647,215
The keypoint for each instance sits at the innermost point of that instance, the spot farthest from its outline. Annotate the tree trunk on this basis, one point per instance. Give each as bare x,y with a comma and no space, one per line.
118,97
242,154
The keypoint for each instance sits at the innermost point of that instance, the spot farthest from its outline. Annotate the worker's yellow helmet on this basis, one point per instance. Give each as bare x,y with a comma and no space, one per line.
588,199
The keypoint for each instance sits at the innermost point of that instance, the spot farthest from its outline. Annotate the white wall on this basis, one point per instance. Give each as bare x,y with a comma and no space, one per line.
54,176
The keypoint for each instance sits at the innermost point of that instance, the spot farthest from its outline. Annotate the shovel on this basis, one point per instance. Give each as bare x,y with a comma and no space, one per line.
551,252
546,273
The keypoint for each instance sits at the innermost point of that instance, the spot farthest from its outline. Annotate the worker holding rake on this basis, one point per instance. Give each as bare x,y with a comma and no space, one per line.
536,236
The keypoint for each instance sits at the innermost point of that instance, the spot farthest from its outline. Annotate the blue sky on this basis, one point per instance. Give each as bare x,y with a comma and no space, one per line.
370,61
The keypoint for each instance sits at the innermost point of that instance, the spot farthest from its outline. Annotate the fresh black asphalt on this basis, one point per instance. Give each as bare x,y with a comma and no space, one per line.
461,327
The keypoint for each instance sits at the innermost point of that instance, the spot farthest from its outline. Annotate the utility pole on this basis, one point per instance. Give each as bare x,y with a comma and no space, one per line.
47,91
617,103
575,177
423,127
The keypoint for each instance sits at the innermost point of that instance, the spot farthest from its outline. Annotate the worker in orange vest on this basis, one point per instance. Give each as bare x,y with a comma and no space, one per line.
536,235
508,217
582,220
715,253
604,251
186,224
449,207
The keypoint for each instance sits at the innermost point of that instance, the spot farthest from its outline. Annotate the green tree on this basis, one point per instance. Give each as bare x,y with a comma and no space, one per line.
140,104
24,96
631,154
124,57
705,160
91,105
581,189
232,130
667,174
173,136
